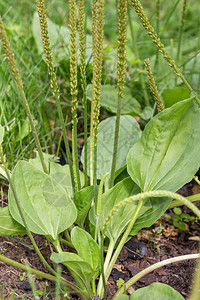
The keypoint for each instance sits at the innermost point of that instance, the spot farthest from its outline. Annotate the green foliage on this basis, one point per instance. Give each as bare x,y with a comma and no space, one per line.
39,192
163,158
154,291
129,133
180,219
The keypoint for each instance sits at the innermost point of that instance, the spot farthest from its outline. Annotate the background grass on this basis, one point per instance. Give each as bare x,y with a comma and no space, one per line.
18,17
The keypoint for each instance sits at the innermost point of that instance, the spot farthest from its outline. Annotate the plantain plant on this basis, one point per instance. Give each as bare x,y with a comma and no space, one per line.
102,207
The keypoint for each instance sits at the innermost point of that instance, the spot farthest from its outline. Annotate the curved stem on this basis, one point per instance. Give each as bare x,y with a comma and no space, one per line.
153,268
124,238
151,194
192,198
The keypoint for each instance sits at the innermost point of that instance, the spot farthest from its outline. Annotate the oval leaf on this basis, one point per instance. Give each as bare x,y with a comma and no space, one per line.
8,226
129,134
154,291
45,204
86,247
109,100
167,155
75,264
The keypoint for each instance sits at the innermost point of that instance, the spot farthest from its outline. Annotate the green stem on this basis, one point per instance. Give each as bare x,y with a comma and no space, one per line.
151,194
37,142
85,137
192,198
98,205
75,156
153,268
36,272
124,237
13,67
135,49
157,29
95,170
156,40
60,115
106,263
66,243
91,143
116,138
181,31
102,266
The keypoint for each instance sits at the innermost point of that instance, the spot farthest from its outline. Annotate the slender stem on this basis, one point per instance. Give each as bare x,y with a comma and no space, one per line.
156,40
82,47
85,138
75,157
137,56
182,21
95,172
106,263
14,69
66,243
53,80
116,138
192,198
158,265
91,143
124,238
102,265
150,194
36,272
73,89
157,30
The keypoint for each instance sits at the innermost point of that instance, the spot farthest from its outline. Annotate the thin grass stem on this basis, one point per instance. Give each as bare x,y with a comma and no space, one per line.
54,85
82,47
73,89
14,69
153,268
156,40
137,56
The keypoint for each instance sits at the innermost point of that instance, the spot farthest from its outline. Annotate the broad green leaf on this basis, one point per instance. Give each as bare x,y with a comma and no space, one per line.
1,134
82,200
176,95
8,226
61,174
123,297
75,264
121,219
154,291
167,155
157,209
45,204
147,113
25,129
109,99
129,134
86,247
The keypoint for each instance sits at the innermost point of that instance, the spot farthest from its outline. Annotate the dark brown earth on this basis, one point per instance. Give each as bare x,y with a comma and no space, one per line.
160,242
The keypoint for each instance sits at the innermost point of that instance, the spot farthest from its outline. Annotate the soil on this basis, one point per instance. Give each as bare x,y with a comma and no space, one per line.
151,245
